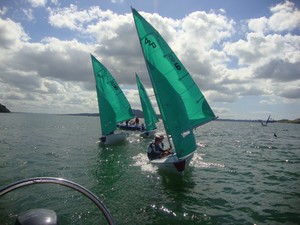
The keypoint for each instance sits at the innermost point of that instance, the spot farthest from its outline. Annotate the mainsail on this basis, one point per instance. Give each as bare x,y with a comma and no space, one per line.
181,103
112,103
149,113
268,119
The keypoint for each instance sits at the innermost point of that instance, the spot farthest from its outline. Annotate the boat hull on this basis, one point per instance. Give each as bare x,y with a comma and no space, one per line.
128,127
172,162
148,134
113,138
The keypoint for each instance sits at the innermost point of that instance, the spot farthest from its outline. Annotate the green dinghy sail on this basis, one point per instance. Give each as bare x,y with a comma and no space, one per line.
182,105
112,103
149,113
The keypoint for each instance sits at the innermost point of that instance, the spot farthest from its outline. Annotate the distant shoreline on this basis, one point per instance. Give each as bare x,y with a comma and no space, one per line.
296,121
139,114
3,109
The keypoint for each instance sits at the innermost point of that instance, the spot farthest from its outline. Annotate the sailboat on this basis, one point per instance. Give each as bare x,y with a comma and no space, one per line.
149,113
182,105
267,121
112,103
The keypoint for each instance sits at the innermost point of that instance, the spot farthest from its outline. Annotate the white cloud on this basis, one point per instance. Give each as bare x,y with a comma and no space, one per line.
206,28
44,75
55,2
290,92
117,1
37,3
223,11
279,70
29,14
285,17
55,75
74,19
258,25
12,35
260,49
3,11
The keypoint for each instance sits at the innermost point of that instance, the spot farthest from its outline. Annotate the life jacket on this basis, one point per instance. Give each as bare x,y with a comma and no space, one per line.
151,148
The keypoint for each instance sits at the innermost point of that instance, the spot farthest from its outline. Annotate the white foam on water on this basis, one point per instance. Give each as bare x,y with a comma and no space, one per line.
141,160
198,162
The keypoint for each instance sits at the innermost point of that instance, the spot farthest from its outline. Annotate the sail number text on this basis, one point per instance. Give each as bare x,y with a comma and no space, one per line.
114,85
149,42
176,64
171,57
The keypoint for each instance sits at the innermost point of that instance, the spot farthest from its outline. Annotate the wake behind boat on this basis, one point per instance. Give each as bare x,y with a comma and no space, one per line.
182,105
113,105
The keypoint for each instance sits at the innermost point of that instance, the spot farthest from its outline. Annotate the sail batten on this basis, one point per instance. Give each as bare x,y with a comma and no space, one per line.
112,104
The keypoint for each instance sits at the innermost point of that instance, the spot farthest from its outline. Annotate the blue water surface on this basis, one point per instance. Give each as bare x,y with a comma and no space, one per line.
241,173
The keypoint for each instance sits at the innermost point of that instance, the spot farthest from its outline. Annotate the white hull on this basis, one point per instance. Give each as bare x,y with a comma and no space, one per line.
113,138
172,162
148,134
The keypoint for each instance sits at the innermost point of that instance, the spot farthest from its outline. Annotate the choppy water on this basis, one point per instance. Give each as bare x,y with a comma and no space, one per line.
241,173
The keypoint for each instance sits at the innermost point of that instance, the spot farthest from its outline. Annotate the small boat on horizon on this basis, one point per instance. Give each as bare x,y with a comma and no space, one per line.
267,121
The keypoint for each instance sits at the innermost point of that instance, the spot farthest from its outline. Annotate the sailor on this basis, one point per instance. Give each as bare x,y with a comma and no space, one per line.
161,136
155,148
136,121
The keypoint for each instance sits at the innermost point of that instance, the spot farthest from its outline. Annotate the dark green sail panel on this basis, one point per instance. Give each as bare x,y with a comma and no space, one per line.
113,105
181,103
107,114
149,113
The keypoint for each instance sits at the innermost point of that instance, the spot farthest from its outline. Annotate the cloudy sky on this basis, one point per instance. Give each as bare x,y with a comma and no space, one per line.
244,55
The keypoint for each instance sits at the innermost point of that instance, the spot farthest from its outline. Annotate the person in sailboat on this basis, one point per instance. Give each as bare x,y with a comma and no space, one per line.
137,121
155,148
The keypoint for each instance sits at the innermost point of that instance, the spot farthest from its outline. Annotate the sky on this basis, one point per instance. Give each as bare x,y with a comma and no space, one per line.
243,55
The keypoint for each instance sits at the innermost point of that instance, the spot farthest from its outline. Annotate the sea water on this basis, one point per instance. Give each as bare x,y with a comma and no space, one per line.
241,173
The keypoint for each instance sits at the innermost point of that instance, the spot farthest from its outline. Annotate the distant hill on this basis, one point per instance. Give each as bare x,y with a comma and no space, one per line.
297,121
137,112
140,114
3,109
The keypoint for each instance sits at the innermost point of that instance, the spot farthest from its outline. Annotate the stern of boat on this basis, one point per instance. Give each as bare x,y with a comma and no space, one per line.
172,162
148,134
113,138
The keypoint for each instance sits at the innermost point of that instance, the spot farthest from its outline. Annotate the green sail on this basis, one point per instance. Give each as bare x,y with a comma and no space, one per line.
149,113
113,105
181,103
